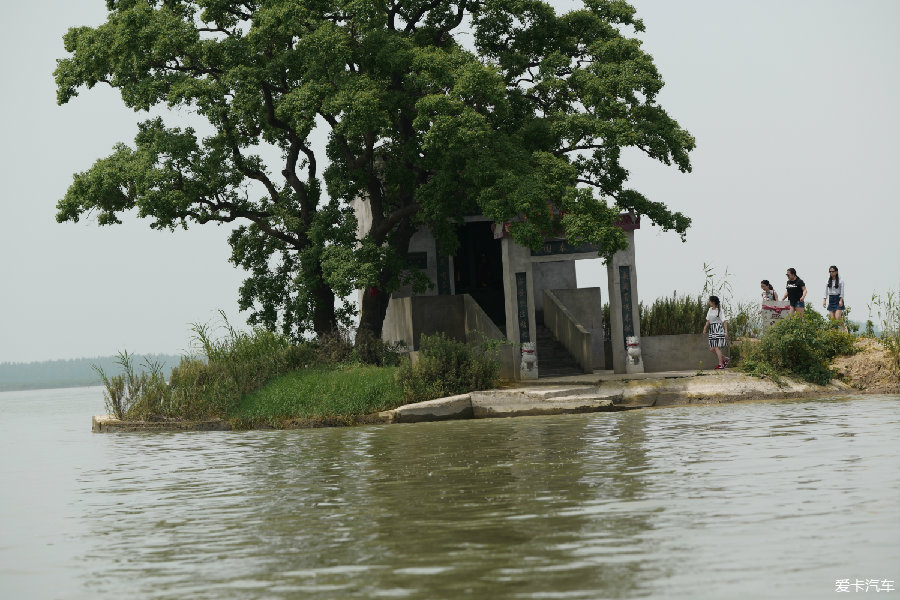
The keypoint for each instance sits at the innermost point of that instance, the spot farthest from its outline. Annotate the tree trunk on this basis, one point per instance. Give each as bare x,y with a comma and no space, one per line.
324,319
372,312
375,299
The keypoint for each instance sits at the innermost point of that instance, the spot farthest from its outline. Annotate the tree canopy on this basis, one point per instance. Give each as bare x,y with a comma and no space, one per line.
432,109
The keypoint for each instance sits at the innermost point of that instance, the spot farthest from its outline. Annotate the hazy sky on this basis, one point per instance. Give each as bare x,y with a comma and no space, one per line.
793,104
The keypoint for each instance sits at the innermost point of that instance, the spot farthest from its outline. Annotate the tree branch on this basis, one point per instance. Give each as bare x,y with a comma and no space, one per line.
380,230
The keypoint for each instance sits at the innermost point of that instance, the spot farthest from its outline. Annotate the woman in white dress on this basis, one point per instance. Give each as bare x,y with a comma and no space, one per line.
717,324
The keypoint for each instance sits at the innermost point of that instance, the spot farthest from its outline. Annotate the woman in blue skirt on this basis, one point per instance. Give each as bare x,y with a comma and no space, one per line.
834,294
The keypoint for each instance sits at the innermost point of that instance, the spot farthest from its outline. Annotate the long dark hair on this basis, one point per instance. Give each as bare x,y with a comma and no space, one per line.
766,283
715,300
793,271
837,279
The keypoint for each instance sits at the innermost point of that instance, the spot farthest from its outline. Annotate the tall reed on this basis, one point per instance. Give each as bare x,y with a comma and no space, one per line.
130,392
887,310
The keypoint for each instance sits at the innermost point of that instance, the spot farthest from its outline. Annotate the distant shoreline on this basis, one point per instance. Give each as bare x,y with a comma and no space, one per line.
72,373
37,387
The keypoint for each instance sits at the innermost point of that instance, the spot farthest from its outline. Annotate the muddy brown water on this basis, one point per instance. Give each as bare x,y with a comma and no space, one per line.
757,500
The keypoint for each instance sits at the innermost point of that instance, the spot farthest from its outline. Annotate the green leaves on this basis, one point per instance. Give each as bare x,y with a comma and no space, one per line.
527,128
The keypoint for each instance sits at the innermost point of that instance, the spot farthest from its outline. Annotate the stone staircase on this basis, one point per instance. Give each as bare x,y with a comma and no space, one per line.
553,358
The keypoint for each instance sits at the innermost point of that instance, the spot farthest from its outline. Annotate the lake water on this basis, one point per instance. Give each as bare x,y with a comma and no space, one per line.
753,500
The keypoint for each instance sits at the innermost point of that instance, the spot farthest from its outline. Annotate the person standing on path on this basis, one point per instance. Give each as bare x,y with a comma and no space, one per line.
796,292
834,294
717,324
769,292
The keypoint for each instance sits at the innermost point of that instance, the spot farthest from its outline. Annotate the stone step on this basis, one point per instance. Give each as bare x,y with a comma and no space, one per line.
553,358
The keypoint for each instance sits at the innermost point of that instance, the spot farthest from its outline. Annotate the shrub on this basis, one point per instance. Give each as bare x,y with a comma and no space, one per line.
447,367
370,350
801,346
334,348
339,348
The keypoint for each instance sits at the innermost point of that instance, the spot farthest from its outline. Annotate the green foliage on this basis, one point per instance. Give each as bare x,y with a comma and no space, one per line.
208,385
717,285
320,393
800,346
887,310
745,320
870,329
431,111
673,316
232,367
447,367
371,350
678,315
849,324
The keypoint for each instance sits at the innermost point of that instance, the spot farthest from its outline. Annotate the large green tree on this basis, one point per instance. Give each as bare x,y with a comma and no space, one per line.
432,108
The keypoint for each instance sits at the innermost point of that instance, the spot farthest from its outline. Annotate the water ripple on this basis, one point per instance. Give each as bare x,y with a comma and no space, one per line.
757,500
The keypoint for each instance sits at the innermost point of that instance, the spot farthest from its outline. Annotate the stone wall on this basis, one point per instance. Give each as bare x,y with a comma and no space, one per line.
554,275
677,353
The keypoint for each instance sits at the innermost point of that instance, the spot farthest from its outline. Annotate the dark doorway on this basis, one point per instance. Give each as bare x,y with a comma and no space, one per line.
478,269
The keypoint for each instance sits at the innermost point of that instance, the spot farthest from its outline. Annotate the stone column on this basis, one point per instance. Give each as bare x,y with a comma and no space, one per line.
518,290
623,302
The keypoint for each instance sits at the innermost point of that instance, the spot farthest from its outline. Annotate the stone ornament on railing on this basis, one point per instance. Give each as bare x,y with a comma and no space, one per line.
773,311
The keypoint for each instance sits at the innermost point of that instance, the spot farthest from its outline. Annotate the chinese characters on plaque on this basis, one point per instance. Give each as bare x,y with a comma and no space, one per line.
522,307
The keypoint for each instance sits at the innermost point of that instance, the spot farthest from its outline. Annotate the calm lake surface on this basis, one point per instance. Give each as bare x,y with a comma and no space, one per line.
753,500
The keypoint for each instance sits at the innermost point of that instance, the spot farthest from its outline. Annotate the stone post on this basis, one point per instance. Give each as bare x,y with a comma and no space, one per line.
773,311
518,289
623,303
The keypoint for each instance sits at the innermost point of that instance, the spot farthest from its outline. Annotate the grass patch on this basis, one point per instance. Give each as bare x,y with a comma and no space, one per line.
320,393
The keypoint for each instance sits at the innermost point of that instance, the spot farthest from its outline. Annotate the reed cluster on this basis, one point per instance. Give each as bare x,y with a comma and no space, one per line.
887,310
675,315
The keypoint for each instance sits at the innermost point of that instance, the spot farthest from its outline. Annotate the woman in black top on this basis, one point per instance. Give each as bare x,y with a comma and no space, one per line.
796,292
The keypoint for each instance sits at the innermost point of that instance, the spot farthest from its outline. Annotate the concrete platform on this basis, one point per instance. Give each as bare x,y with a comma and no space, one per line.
609,392
110,424
598,377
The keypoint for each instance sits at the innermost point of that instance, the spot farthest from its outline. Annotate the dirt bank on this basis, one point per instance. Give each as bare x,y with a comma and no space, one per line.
869,370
